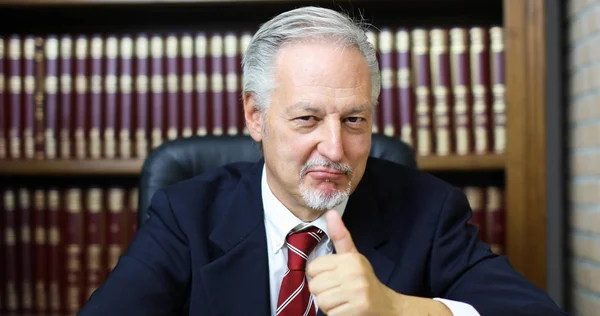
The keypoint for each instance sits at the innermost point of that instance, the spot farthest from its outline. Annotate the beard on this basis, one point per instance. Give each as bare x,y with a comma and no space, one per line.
317,199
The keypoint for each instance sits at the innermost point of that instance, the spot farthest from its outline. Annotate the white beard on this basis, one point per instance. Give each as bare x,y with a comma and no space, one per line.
318,200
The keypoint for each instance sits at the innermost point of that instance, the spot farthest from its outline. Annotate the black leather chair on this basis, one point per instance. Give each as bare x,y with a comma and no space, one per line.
184,158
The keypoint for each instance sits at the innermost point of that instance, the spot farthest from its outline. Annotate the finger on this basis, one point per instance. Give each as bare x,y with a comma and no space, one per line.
331,299
345,309
321,264
339,234
324,282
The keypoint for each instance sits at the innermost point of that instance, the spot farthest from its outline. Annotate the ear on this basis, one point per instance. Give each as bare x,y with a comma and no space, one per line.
252,116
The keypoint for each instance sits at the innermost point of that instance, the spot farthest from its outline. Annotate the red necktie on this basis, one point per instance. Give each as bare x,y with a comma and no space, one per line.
294,296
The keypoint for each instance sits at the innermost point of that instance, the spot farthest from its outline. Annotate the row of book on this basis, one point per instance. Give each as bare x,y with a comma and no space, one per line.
92,96
59,244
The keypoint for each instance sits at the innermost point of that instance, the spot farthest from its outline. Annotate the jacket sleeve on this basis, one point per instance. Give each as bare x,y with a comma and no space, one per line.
464,269
152,276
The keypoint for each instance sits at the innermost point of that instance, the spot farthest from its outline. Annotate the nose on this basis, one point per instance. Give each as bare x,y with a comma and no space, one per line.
331,145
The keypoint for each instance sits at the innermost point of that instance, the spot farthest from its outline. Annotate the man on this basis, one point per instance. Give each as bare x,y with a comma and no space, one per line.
316,225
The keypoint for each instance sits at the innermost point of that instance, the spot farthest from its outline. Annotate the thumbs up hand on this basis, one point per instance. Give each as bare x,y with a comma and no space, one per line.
345,283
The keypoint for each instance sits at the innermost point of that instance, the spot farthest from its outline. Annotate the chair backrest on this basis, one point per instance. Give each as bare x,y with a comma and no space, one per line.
184,158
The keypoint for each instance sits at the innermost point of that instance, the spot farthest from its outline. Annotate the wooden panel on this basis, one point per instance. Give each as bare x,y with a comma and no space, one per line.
466,163
526,149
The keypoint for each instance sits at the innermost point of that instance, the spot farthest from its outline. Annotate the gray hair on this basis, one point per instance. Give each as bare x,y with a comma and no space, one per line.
307,23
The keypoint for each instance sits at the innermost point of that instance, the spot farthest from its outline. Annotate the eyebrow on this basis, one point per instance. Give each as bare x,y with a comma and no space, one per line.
304,106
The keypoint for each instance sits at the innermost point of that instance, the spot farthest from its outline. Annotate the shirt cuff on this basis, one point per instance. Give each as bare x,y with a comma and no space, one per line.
459,308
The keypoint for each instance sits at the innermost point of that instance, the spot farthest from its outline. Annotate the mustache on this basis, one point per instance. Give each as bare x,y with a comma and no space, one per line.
321,162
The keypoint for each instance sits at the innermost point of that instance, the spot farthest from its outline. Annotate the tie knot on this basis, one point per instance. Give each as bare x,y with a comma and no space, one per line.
300,244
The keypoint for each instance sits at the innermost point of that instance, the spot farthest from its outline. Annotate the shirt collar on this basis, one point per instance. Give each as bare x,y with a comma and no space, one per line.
281,221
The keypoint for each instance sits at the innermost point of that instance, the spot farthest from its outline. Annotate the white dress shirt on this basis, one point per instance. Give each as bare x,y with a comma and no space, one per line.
279,221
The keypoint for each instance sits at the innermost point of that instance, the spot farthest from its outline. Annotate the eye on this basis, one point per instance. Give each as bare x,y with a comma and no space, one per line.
355,119
306,118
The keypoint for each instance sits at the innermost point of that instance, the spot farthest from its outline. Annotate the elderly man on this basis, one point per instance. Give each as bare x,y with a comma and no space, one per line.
316,226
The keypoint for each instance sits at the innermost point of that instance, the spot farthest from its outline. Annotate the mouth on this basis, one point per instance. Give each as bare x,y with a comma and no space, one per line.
324,174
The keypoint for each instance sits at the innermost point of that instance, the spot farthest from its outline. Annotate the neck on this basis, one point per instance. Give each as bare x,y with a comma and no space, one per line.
295,204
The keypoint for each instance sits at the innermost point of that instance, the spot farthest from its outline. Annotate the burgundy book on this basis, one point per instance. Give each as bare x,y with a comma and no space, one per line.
187,84
40,252
10,259
246,37
29,89
406,97
74,246
66,97
476,197
54,261
26,249
440,69
498,89
203,111
3,122
141,95
172,75
95,240
110,97
480,87
386,97
125,74
96,102
157,89
39,101
461,87
132,209
14,73
51,96
372,38
217,83
496,220
82,79
116,230
231,49
424,103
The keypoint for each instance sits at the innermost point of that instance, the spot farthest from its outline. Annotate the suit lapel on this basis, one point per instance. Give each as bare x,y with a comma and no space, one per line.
238,281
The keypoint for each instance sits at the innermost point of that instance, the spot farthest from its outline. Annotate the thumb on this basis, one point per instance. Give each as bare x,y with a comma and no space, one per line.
339,234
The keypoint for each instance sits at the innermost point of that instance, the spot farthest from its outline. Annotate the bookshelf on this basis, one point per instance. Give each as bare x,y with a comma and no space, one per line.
523,164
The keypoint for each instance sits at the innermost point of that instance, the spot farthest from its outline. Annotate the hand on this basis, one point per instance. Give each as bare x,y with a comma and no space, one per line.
345,283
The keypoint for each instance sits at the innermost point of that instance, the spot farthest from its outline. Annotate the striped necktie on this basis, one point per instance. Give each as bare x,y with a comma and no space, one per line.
294,297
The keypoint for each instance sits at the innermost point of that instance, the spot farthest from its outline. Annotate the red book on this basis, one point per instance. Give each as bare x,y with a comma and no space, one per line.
39,100
480,87
187,84
476,197
15,87
386,97
217,84
201,89
29,89
95,240
172,74
82,78
110,97
406,97
461,86
440,68
10,259
96,80
125,97
51,96
424,103
496,220
74,246
54,260
116,230
40,252
3,122
246,37
231,49
66,97
26,249
133,212
142,85
498,89
372,38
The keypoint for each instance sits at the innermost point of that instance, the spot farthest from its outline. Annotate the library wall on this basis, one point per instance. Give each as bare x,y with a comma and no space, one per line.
584,153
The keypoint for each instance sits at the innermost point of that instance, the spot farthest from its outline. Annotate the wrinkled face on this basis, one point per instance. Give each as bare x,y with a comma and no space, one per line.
316,134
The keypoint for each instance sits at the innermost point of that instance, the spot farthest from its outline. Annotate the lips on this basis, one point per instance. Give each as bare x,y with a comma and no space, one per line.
322,174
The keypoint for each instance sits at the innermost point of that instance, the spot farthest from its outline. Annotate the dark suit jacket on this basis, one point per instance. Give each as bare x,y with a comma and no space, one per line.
203,249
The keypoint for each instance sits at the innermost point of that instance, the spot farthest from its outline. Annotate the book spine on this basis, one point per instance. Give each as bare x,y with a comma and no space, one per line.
425,140
496,220
3,122
26,249
498,89
39,118
125,99
173,104
133,212
440,68
110,97
40,252
95,240
475,196
115,234
157,88
14,101
54,261
141,95
74,251
480,71
66,97
406,98
217,83
51,96
386,44
372,38
81,96
201,73
10,259
187,84
245,39
231,50
461,85
96,79
29,86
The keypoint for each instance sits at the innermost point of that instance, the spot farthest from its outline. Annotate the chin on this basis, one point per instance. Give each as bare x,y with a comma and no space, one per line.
323,199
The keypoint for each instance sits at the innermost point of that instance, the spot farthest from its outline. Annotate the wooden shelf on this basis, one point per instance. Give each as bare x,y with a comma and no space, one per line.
134,166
